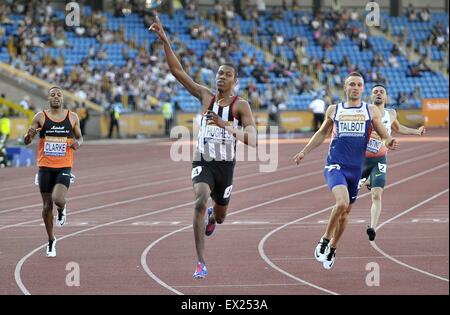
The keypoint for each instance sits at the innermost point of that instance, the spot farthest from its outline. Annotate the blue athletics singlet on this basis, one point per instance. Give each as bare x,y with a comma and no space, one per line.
351,131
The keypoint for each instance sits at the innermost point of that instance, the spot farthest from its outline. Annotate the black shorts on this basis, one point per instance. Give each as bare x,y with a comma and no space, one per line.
49,177
218,175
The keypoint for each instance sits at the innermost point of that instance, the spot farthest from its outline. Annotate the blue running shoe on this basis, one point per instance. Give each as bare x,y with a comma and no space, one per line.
210,227
200,271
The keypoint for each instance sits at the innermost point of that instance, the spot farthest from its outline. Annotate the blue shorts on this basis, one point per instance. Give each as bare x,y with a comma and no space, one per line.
342,175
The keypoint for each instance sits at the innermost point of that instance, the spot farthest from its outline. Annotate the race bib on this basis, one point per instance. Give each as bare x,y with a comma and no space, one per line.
215,134
382,167
196,171
352,126
374,145
55,146
227,192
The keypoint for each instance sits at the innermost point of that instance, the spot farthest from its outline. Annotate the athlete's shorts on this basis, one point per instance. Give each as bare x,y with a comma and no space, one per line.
375,168
218,175
336,174
49,177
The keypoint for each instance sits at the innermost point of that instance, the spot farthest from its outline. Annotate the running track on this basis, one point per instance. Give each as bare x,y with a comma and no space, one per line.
129,231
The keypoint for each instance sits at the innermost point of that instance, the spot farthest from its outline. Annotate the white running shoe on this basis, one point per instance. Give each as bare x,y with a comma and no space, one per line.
331,257
321,250
51,248
61,216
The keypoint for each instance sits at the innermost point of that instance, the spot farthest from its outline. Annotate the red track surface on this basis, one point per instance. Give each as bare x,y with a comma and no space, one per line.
129,216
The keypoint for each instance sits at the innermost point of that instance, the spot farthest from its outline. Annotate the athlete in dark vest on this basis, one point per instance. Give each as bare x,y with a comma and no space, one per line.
212,169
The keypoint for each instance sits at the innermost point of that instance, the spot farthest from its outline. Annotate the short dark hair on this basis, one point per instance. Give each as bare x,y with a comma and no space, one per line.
231,65
378,85
54,87
355,74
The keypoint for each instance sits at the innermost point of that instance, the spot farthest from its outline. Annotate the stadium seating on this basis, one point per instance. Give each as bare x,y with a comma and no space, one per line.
432,85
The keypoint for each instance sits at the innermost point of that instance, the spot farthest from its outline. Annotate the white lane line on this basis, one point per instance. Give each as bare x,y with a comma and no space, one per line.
148,248
143,185
24,258
268,235
163,194
22,261
240,285
378,249
179,178
168,287
81,183
359,257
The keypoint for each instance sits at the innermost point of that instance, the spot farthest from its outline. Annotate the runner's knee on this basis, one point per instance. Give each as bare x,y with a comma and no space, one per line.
342,206
200,202
59,201
48,207
376,195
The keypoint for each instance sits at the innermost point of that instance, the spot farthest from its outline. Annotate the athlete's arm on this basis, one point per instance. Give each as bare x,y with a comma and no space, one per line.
77,132
399,128
36,126
197,90
248,134
319,137
377,124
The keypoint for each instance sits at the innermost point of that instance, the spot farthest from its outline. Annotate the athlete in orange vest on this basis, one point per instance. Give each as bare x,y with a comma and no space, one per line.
59,134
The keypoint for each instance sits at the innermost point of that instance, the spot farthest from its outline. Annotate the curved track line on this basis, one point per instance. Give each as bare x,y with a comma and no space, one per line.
148,248
162,283
375,246
23,259
266,237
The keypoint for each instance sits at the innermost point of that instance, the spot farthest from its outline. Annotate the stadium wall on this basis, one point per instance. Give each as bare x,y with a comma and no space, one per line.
152,125
435,111
134,124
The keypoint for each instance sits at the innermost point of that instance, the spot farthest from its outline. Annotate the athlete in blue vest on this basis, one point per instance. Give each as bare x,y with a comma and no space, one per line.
351,125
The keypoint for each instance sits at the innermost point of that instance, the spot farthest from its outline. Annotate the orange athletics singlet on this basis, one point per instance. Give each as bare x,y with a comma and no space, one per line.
54,143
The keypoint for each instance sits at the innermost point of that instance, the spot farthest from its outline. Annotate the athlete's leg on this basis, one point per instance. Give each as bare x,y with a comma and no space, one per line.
338,214
221,195
46,181
378,180
340,227
219,214
375,210
47,214
202,192
59,195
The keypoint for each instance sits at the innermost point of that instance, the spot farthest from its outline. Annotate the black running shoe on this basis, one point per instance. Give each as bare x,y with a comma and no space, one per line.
371,232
